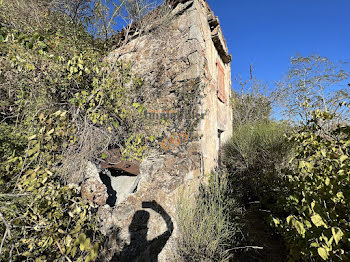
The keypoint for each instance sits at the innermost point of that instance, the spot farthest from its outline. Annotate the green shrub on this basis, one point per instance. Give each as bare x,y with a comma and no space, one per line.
60,106
254,156
317,223
206,224
43,219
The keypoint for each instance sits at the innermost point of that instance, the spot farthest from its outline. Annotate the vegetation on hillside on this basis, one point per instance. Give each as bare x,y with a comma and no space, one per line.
316,203
62,104
206,224
57,106
289,178
297,171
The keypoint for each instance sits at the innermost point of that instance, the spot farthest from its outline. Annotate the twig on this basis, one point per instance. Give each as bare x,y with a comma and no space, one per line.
6,224
254,247
263,210
254,202
13,195
10,256
59,247
7,231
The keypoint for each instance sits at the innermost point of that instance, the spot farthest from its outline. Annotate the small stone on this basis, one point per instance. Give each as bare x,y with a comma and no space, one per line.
195,59
195,33
91,171
94,191
192,72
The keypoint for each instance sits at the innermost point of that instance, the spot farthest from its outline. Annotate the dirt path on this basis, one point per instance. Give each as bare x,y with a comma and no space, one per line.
261,235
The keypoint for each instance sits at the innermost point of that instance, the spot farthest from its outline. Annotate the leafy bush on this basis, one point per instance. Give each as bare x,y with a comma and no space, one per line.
207,226
317,224
60,105
254,156
41,218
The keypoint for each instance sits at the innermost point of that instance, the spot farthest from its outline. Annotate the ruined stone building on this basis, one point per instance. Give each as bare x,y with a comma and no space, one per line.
182,56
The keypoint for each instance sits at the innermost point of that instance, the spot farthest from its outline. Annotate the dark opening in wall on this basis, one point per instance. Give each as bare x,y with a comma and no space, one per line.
120,185
220,145
112,194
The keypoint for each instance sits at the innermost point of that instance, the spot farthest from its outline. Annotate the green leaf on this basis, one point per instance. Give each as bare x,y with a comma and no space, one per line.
82,237
337,234
136,105
82,246
42,44
313,203
104,155
343,158
87,243
289,218
276,221
323,253
327,181
57,113
29,45
300,228
26,254
309,166
317,220
74,251
32,137
314,244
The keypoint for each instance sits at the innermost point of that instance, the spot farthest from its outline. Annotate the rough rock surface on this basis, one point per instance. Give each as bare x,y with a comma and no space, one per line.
150,229
175,58
95,191
124,186
91,171
92,187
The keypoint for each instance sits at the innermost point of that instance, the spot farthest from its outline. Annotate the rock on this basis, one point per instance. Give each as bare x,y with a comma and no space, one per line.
195,58
195,33
124,186
95,191
91,171
178,62
181,6
193,72
105,216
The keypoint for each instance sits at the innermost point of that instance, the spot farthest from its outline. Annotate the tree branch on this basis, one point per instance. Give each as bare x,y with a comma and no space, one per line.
7,231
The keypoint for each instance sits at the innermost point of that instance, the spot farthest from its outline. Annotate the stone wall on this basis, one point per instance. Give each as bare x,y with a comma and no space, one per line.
218,121
177,56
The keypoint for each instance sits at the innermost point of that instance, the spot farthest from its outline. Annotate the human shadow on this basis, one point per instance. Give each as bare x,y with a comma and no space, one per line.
140,249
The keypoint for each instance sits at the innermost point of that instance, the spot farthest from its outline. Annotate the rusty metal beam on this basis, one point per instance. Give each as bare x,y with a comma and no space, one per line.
115,161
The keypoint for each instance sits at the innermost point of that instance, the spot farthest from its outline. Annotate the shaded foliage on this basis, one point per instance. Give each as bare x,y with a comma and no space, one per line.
254,156
316,204
61,105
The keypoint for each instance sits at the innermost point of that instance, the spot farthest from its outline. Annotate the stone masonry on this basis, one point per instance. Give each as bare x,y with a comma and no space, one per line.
183,50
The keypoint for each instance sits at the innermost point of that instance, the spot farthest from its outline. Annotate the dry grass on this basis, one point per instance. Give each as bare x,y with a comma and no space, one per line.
207,230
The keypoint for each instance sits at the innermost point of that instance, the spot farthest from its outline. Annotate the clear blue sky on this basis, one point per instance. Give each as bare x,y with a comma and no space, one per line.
267,33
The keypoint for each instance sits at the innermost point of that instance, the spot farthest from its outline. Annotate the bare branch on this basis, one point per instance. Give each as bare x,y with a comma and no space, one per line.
7,231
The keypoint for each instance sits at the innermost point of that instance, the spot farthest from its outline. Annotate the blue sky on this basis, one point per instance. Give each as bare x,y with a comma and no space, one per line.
268,33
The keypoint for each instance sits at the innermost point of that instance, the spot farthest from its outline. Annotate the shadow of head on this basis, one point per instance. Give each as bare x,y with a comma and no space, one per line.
139,226
139,221
140,248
